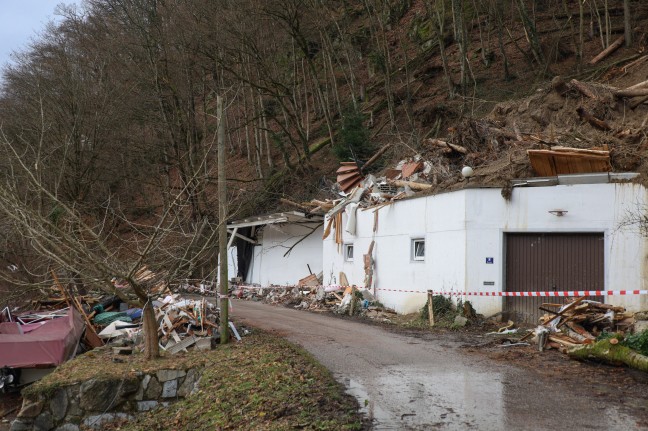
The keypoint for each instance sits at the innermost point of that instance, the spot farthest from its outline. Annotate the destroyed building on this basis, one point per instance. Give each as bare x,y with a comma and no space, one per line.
561,233
275,249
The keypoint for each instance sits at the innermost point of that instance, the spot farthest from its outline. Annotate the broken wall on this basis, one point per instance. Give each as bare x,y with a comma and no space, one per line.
270,266
401,281
464,233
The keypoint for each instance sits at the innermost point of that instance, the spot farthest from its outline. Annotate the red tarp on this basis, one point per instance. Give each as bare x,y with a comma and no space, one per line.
49,345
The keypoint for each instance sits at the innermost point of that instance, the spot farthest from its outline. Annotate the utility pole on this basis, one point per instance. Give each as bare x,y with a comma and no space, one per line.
222,225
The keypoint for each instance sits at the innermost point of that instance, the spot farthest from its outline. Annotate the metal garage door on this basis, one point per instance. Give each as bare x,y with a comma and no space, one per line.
550,262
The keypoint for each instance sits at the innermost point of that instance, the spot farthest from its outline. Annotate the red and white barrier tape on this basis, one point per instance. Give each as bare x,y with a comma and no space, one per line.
550,293
329,288
562,293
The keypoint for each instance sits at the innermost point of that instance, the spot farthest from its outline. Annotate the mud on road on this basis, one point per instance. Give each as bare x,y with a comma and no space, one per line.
620,386
418,379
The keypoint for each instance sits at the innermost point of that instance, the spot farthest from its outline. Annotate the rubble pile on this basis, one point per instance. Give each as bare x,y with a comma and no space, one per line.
580,322
335,299
187,323
197,287
74,323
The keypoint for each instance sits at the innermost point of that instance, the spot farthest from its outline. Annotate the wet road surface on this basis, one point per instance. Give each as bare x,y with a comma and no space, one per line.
405,383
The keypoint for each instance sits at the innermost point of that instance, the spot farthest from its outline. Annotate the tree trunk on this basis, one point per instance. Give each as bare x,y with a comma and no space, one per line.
614,354
151,346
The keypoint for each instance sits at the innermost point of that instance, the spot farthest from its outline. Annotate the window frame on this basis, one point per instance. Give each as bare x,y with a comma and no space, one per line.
413,243
348,246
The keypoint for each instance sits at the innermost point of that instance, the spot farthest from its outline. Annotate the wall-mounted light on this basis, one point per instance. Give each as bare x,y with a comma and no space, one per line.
558,213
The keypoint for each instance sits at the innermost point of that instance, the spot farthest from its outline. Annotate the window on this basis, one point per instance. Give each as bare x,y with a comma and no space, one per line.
348,252
418,249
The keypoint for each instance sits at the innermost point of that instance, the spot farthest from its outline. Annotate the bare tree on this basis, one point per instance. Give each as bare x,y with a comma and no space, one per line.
93,248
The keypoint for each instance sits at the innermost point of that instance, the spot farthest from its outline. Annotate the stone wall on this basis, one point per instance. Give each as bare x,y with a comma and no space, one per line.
96,402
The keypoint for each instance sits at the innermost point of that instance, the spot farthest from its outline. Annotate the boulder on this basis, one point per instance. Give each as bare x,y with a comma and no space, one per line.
44,422
166,375
99,395
460,321
170,389
59,404
153,389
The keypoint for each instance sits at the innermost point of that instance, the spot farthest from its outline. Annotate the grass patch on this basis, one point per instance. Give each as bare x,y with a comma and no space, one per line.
102,365
263,383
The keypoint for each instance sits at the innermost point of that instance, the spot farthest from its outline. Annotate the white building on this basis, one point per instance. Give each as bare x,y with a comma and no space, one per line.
554,234
275,249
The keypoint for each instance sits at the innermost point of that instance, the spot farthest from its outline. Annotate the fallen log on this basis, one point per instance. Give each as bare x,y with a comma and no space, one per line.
412,185
635,92
613,354
641,84
375,157
596,122
294,204
636,101
584,89
445,144
609,50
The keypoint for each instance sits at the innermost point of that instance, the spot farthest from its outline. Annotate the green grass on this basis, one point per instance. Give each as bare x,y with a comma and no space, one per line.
261,383
264,383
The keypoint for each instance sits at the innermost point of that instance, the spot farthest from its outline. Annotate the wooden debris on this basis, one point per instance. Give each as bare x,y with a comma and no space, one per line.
445,144
549,163
582,321
609,50
585,89
412,185
596,122
610,352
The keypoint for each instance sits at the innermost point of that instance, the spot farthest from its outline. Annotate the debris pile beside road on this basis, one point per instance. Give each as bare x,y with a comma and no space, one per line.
187,323
591,330
336,299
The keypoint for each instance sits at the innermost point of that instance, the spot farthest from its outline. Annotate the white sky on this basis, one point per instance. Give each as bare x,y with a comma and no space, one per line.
23,20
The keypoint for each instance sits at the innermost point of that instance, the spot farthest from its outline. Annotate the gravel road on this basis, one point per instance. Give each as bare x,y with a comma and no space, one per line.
407,383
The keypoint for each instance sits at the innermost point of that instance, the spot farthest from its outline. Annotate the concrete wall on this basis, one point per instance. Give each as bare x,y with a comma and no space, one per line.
269,266
463,228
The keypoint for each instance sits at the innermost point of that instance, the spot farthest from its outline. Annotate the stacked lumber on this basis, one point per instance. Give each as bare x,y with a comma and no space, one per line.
580,322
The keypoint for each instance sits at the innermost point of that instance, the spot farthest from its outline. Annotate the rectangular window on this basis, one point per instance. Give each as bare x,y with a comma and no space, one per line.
348,252
418,249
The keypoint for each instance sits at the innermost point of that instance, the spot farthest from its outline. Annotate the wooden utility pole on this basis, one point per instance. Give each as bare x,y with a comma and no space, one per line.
222,225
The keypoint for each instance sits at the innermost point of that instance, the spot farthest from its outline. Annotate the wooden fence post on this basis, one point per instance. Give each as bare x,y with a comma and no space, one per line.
430,308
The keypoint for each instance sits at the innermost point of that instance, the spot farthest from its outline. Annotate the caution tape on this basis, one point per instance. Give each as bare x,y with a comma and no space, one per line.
328,288
562,293
401,290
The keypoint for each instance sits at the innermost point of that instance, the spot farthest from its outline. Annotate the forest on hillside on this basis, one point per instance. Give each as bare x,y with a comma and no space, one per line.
108,121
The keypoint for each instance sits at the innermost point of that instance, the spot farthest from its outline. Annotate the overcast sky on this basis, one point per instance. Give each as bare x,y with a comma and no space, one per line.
22,20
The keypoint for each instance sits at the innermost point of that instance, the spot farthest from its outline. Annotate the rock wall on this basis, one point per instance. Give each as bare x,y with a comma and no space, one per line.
97,402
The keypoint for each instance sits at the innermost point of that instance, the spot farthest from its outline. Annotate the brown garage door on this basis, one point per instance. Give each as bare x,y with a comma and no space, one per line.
550,262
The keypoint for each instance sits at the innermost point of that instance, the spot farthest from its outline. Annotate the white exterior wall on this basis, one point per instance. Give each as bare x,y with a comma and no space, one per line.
438,219
269,266
463,228
590,208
